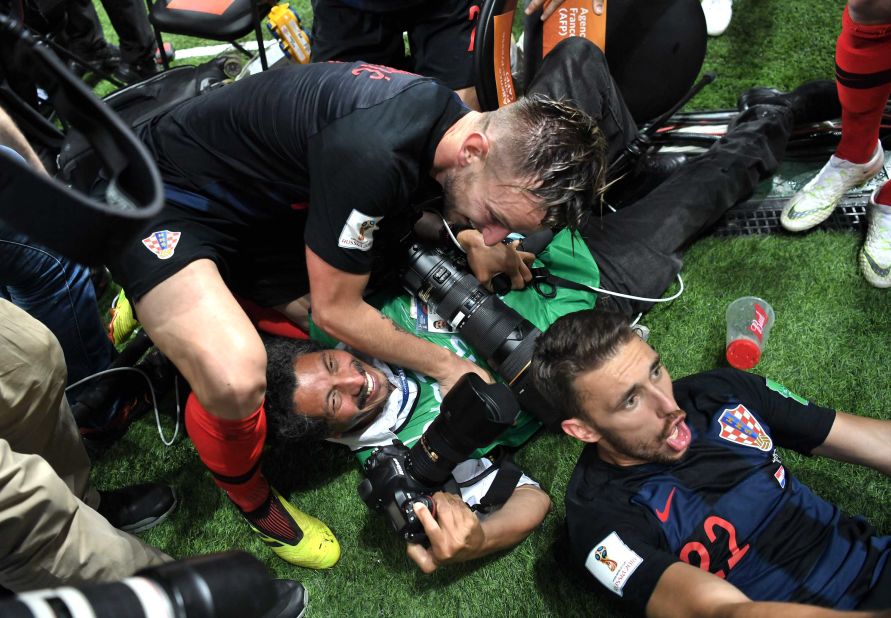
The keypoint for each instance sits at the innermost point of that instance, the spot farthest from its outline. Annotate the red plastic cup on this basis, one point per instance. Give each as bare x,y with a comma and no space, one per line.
749,320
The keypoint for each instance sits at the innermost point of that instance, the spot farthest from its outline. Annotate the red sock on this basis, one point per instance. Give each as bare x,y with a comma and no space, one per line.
863,72
231,451
884,194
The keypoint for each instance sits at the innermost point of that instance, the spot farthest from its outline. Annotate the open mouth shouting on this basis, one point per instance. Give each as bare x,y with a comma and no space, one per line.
678,435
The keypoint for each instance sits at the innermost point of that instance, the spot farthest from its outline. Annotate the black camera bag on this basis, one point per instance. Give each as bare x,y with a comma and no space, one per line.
137,105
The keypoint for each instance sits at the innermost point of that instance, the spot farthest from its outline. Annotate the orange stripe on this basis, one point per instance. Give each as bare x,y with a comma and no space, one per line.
213,7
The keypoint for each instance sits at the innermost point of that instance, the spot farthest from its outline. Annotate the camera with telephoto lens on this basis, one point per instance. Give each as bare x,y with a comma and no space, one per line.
228,585
471,415
503,337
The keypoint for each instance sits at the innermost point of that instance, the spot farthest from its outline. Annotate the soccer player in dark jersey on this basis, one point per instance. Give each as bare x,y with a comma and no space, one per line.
680,503
298,181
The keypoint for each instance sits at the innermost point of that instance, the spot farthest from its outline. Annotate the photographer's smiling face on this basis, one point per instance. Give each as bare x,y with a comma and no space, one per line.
336,386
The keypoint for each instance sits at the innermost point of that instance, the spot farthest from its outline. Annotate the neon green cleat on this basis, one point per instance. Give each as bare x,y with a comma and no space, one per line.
293,535
123,322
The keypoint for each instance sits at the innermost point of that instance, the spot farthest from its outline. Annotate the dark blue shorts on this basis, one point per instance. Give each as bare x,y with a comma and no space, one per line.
263,260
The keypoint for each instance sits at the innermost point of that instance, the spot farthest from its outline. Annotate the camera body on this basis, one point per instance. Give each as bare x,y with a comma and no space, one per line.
501,335
472,415
389,488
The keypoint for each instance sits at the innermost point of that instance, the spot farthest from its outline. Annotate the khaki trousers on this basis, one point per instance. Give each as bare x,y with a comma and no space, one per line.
50,533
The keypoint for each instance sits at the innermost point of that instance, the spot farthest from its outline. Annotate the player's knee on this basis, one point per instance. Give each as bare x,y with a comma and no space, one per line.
235,385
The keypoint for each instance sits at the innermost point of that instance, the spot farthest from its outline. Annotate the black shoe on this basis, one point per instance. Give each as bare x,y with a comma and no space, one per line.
136,72
651,170
292,600
100,278
105,58
137,508
661,165
813,101
100,429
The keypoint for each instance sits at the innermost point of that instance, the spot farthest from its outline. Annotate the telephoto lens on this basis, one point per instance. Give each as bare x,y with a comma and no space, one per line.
500,334
497,332
228,585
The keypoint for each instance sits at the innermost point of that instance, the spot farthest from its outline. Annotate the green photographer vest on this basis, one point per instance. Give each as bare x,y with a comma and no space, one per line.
562,257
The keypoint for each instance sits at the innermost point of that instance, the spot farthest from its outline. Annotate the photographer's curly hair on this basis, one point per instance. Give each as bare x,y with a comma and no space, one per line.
575,344
284,423
559,149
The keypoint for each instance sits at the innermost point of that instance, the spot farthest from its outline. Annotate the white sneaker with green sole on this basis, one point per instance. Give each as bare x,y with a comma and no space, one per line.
813,204
875,254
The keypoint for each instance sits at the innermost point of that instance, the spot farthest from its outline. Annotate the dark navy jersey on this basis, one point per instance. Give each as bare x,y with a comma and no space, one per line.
352,142
729,507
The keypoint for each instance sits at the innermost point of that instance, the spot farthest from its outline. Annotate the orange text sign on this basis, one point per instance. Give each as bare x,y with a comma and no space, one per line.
574,18
504,81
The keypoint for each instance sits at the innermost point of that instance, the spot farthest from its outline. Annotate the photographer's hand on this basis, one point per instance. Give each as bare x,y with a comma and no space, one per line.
487,261
457,368
455,534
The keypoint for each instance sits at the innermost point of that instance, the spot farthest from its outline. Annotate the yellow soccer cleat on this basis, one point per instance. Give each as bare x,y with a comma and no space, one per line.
293,535
123,322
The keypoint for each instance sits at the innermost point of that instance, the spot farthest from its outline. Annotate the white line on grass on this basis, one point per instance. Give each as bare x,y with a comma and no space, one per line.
211,50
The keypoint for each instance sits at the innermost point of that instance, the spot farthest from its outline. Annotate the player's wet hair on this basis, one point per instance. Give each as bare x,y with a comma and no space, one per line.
575,344
559,149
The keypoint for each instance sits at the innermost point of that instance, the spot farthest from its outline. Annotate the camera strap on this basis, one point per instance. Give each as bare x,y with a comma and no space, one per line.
403,384
507,474
546,283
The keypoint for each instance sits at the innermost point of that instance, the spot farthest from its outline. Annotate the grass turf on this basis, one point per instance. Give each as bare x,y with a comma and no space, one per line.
827,345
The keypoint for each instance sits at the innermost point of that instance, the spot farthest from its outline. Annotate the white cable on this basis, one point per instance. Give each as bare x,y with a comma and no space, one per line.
452,236
151,391
591,287
641,298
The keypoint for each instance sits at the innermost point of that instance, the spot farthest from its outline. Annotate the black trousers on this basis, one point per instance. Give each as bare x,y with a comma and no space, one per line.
639,248
129,18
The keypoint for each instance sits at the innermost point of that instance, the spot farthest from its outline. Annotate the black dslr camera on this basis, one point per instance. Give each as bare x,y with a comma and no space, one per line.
472,414
501,335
